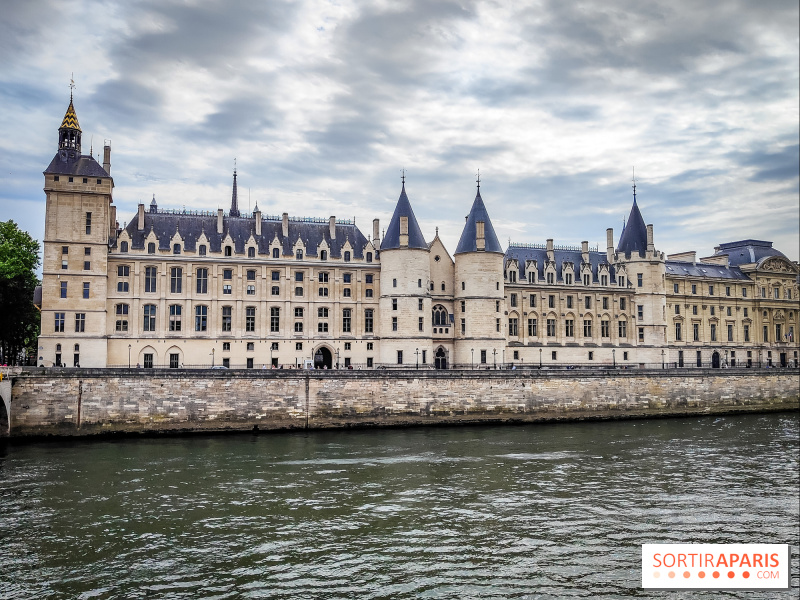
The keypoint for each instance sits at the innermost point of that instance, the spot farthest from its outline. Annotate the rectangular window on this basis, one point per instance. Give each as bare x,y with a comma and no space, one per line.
274,319
123,271
322,313
346,292
532,328
227,289
641,334
569,301
298,327
399,357
148,360
710,290
694,309
322,327
640,312
346,320
463,326
513,300
202,281
59,322
394,303
745,313
419,304
604,329
251,290
551,327
200,318
587,328
533,300
149,322
497,325
80,322
587,302
746,333
421,323
368,278
175,311
730,333
605,302
250,319
150,280
713,332
778,332
513,327
88,223
744,292
569,328
298,276
766,333
623,329
551,301
674,288
639,280
677,309
175,280
251,275
694,288
463,306
63,289
622,304
695,332
87,265
227,274
323,292
727,290
368,323
121,311
553,355
276,275
678,336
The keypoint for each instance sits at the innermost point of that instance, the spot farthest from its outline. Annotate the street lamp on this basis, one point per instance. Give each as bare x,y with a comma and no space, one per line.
129,356
337,358
614,357
540,358
494,357
212,357
472,362
662,358
417,353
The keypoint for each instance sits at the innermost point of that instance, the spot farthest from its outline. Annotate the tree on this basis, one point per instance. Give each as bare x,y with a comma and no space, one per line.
19,319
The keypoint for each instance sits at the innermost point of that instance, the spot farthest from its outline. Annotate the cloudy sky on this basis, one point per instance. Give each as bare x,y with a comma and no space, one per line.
322,103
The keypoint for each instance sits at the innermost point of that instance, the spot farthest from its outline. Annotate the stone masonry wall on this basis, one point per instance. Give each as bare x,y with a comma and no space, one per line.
85,401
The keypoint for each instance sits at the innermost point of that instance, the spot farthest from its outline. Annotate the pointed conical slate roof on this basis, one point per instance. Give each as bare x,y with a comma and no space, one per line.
391,238
70,118
634,236
468,241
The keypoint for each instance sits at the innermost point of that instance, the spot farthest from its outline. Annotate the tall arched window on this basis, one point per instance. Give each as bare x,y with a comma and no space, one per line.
440,317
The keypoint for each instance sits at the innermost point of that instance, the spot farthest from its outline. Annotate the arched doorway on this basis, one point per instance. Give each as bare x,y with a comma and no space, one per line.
441,359
715,360
323,358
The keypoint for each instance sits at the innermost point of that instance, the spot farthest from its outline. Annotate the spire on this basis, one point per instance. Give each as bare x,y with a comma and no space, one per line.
403,226
477,237
235,196
69,134
634,233
153,205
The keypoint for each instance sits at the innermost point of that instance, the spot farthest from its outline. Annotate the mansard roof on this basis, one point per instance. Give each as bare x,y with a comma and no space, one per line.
681,268
82,166
634,235
468,241
746,252
525,252
191,225
391,239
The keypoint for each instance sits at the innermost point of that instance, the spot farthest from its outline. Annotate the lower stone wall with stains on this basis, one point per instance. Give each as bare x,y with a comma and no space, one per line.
87,402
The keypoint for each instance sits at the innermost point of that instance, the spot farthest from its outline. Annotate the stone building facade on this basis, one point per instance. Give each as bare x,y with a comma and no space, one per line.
196,288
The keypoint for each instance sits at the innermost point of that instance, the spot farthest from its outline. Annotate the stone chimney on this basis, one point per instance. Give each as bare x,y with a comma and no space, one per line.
650,246
376,238
332,227
551,255
219,221
113,225
107,156
285,229
140,217
585,251
257,215
610,245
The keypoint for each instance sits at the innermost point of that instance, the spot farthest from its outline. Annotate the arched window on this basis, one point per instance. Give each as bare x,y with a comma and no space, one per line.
443,286
440,317
151,248
123,246
276,253
251,252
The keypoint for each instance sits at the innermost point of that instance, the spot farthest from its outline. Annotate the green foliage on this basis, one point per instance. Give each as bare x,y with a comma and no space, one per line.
19,319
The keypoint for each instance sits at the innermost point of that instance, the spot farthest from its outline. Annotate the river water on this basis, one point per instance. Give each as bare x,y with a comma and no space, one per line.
533,511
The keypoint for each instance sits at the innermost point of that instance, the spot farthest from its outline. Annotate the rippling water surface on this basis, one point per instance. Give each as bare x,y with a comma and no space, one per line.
537,511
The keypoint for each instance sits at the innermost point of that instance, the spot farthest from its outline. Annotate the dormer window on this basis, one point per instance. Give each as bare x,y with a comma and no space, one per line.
551,278
347,256
299,254
251,252
276,253
151,248
228,251
123,246
323,255
202,250
369,257
176,248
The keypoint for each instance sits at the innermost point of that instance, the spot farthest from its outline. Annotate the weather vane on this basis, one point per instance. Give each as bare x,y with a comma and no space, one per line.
403,176
479,179
71,85
634,183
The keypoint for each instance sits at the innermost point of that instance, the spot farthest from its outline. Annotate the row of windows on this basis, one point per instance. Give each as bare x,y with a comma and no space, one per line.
586,279
776,291
85,293
569,328
201,319
781,334
551,302
202,250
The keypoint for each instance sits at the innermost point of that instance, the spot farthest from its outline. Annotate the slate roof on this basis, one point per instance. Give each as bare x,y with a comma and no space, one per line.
689,269
748,251
524,253
82,166
634,236
391,238
468,241
191,227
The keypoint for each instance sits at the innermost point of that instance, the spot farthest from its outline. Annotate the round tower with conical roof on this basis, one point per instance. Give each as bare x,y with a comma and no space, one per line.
479,292
405,302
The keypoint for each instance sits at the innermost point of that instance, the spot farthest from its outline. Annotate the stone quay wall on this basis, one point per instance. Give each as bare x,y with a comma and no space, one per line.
95,401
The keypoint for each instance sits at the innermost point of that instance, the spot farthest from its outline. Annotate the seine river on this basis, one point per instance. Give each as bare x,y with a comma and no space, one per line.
535,511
